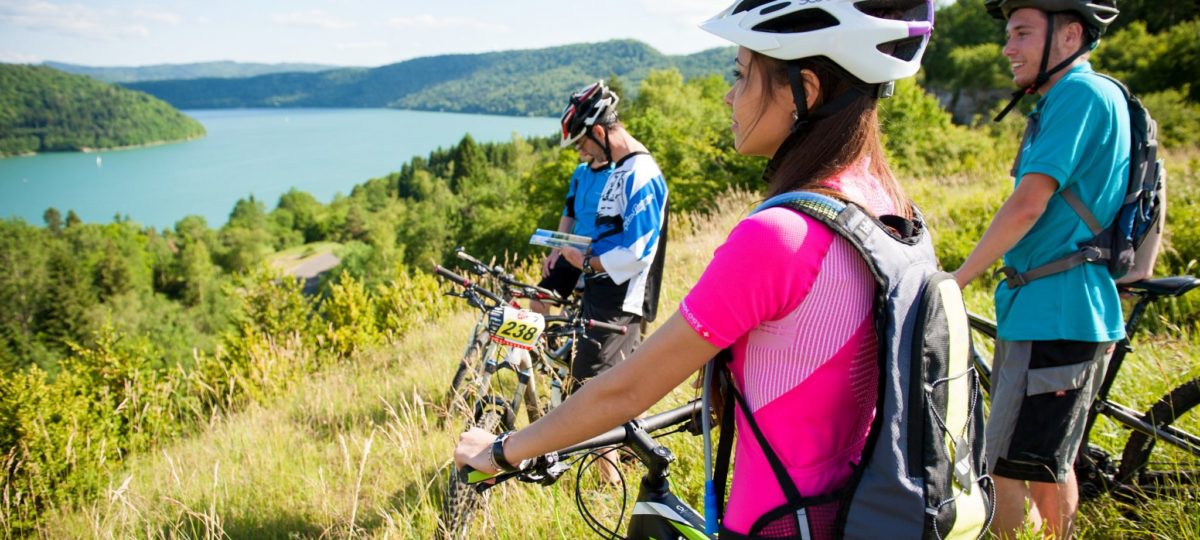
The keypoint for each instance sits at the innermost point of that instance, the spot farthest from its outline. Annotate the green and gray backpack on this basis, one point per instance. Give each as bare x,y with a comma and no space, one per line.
922,473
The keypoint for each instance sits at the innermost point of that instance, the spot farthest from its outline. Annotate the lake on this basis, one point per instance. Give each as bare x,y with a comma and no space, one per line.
259,152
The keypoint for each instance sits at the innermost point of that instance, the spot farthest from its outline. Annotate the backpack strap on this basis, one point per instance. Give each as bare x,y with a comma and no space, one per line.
796,505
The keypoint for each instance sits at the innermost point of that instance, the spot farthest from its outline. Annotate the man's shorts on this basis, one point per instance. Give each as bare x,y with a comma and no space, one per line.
1041,393
592,359
562,279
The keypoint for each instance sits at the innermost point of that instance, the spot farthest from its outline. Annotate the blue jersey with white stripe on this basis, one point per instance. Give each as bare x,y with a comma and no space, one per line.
629,222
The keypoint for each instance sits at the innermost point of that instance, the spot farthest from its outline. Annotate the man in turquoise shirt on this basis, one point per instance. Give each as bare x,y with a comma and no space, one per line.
1056,333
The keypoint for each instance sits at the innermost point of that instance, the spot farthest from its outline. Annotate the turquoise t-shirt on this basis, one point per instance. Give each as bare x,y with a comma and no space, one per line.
1082,141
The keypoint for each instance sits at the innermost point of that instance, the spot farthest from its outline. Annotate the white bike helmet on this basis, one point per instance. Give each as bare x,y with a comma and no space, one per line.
591,104
854,34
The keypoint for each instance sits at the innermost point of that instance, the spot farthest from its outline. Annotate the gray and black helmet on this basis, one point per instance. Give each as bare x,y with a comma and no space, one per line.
1097,14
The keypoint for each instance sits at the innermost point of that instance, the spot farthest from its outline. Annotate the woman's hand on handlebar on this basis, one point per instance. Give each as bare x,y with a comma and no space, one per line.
474,449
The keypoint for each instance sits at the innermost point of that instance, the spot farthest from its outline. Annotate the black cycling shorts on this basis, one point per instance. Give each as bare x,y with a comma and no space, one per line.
592,359
1041,394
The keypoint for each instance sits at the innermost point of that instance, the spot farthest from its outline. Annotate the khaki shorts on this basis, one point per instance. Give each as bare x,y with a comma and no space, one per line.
1041,394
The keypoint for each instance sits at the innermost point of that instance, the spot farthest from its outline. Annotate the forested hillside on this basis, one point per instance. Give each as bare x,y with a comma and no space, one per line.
223,70
521,83
117,338
45,110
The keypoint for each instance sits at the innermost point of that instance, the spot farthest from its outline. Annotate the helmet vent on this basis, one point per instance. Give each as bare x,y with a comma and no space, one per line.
752,4
905,49
900,10
798,22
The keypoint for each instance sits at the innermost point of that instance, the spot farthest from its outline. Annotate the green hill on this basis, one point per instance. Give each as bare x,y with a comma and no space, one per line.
526,82
45,110
158,72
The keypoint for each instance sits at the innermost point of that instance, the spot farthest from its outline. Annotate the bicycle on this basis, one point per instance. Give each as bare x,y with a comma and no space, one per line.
657,511
1145,468
475,352
517,341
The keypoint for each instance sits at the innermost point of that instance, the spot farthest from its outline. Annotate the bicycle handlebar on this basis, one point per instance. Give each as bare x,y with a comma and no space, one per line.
588,323
466,283
620,434
616,436
462,254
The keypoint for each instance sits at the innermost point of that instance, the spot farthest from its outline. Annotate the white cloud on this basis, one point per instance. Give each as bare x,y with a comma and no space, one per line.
74,20
313,18
429,22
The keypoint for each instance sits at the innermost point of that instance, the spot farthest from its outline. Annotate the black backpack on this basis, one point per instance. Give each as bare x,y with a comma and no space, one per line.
1129,245
922,472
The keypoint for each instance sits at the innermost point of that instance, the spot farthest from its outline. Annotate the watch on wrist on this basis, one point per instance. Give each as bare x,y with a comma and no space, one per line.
587,264
498,458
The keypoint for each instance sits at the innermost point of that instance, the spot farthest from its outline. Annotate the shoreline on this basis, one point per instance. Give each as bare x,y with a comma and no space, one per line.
92,150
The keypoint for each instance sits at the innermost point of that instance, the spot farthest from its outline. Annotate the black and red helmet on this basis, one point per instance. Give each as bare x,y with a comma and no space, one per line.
594,103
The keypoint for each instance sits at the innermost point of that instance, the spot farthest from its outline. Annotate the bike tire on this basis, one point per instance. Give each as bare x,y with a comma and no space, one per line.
461,502
470,363
1170,471
470,368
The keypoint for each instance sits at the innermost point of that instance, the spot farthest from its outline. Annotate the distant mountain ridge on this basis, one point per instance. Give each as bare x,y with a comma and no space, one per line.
199,70
520,83
46,110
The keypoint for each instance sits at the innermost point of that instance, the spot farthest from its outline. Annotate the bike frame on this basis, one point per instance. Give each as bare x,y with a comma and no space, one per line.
1102,405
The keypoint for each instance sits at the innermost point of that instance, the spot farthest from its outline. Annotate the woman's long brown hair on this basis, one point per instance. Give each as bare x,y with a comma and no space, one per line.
828,144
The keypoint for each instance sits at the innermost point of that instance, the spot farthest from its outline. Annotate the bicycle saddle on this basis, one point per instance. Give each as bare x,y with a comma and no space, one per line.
1168,286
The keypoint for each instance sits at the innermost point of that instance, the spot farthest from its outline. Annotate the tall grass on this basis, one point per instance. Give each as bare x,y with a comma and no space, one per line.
362,448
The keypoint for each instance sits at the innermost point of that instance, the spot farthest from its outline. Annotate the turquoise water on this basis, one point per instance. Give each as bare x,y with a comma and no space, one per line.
259,152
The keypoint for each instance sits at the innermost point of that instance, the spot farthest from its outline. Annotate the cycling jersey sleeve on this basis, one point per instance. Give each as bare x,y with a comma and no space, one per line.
630,219
761,273
569,208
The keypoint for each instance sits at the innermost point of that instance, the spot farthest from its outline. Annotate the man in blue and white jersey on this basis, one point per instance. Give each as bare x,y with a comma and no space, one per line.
623,266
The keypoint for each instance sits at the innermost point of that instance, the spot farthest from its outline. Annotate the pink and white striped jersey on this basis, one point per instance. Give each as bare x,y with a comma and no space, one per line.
794,300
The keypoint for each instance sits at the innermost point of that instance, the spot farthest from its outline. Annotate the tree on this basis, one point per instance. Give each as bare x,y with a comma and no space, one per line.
53,219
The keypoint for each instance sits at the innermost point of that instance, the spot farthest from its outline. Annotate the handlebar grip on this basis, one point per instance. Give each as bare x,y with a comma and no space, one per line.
461,281
469,475
462,254
618,328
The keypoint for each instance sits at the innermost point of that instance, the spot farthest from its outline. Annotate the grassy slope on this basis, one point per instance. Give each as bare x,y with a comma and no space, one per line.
362,449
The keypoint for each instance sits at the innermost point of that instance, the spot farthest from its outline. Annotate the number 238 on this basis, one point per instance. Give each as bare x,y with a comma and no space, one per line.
517,330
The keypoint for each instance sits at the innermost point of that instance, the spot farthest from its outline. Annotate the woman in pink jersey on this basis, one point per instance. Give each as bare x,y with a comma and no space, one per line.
790,297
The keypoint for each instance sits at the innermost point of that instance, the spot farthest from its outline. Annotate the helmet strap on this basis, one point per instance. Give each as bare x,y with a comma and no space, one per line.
603,145
799,96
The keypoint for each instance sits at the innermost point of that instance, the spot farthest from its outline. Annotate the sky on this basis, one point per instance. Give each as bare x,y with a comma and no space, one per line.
336,32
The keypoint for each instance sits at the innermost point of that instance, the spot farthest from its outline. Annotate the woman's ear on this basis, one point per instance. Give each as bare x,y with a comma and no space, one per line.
812,87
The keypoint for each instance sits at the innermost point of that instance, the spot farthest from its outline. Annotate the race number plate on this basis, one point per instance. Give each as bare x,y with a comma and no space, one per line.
515,327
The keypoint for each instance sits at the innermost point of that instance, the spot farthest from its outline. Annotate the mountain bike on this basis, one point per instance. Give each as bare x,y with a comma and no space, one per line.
657,512
517,341
483,299
1145,468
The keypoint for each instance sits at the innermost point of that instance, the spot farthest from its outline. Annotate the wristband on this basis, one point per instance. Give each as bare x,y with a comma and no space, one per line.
498,458
587,265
